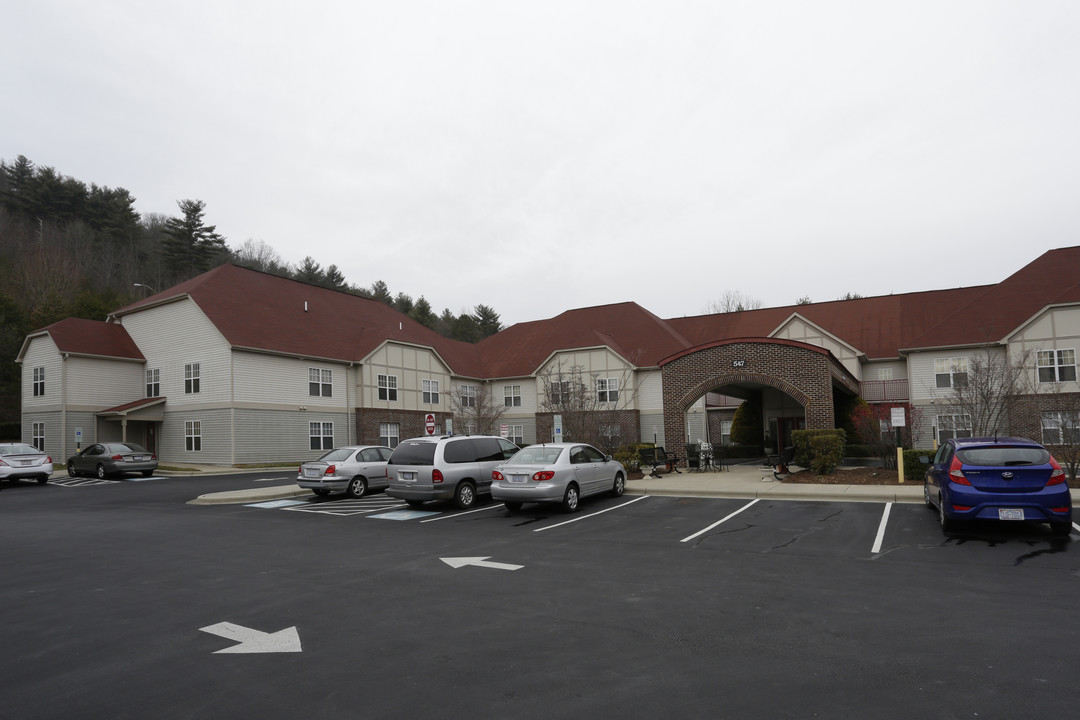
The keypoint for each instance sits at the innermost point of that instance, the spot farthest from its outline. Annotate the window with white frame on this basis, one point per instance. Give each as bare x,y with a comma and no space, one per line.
193,435
560,392
949,426
516,434
512,395
38,436
39,381
725,432
321,435
388,387
192,378
467,396
1061,428
430,392
884,373
153,383
612,433
320,382
389,434
951,372
607,390
1057,365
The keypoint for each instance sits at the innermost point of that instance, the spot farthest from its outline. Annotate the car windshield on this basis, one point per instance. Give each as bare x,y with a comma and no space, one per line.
19,450
413,453
538,455
336,455
998,456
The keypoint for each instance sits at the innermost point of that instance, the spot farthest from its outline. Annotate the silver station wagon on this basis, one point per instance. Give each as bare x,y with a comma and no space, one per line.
557,473
356,469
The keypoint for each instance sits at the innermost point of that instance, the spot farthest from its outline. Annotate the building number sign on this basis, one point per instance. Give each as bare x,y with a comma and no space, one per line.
738,363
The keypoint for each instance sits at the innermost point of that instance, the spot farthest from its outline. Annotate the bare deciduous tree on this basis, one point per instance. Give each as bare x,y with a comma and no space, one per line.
592,405
475,409
991,389
733,301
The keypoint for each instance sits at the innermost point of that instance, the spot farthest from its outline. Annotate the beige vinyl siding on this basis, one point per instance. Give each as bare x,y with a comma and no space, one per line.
217,442
412,365
594,363
1054,329
650,396
276,436
653,423
799,329
922,384
191,338
41,352
898,369
282,383
102,384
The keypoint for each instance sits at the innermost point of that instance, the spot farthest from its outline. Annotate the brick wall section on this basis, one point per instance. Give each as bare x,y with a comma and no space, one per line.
1026,418
802,371
411,423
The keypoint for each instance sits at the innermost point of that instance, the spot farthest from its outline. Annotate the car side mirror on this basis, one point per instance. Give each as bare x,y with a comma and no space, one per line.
607,458
924,460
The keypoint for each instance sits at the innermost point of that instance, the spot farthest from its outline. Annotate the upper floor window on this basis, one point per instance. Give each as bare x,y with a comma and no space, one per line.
320,382
39,381
468,396
951,372
1061,428
561,392
512,395
388,387
153,383
321,435
1057,365
430,392
607,389
191,378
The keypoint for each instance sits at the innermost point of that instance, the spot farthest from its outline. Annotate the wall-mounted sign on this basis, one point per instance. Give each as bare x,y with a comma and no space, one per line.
738,363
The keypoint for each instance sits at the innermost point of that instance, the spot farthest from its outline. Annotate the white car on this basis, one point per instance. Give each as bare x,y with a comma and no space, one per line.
356,469
556,472
21,461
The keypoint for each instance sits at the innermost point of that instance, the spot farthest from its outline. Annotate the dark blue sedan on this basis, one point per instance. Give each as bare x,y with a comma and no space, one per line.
1004,478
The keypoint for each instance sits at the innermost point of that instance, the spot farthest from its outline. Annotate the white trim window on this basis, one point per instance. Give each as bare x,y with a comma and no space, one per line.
512,395
389,434
607,390
1057,365
321,435
192,378
516,434
950,426
193,435
950,372
388,388
38,436
39,381
725,432
467,396
559,392
320,382
1061,428
430,392
153,383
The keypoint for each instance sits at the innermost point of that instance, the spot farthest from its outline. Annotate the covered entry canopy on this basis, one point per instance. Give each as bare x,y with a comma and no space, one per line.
807,373
145,410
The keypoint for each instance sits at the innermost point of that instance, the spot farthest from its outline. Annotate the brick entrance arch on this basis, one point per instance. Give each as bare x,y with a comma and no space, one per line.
805,372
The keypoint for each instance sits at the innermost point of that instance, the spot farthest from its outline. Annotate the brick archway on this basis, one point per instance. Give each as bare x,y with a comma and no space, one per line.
805,372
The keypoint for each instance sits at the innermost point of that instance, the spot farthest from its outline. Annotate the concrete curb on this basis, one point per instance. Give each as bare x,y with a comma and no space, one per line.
243,497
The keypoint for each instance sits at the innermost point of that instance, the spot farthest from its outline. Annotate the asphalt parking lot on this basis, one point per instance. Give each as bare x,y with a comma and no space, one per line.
123,600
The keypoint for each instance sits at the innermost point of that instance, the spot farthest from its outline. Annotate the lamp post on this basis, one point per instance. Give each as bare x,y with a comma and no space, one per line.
152,290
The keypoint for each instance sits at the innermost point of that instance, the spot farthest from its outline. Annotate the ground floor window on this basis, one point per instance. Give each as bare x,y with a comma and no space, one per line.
193,435
321,435
516,434
38,438
725,432
950,426
389,434
1061,428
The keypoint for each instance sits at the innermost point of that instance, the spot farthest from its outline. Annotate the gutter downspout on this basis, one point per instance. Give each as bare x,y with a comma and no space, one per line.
63,407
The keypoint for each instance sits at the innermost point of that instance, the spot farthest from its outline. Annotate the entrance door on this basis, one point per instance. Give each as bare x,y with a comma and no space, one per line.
786,426
151,437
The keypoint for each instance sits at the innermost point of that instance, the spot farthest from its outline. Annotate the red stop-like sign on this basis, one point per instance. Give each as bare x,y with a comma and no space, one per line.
429,424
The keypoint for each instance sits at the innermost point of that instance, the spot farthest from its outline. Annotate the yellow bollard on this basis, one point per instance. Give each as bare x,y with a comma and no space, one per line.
900,463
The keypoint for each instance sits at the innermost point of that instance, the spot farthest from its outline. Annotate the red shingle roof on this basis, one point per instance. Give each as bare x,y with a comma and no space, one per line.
93,337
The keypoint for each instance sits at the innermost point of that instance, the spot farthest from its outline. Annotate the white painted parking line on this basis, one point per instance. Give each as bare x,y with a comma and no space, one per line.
586,517
467,512
881,529
719,522
80,482
348,507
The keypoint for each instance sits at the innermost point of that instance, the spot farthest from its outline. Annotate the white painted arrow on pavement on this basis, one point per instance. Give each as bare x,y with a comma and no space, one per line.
479,562
255,641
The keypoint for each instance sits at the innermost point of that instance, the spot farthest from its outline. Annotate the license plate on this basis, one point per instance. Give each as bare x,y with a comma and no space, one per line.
136,458
1010,514
312,473
519,478
407,476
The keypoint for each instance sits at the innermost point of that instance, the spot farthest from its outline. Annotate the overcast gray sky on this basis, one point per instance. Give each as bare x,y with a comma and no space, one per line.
542,156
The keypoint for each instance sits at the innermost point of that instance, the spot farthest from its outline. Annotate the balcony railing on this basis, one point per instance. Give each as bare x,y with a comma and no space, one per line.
884,390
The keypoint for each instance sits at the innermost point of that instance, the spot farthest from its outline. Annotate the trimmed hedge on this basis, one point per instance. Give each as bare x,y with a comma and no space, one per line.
819,450
915,471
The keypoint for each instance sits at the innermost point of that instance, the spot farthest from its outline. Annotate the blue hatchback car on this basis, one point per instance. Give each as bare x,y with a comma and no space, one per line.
1004,478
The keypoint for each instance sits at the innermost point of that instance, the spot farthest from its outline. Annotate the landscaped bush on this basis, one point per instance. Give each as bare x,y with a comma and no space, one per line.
915,471
819,450
629,456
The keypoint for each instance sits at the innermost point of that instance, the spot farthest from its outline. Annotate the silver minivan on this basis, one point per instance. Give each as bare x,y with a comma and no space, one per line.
447,467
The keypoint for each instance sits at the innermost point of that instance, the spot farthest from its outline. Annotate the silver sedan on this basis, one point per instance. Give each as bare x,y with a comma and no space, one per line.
356,469
558,473
20,460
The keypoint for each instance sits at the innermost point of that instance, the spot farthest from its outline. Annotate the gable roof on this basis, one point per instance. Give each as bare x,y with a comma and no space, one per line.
75,336
260,311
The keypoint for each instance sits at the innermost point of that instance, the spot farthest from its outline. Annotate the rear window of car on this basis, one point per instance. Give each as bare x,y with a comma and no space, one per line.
1002,456
337,455
413,453
18,450
126,447
537,456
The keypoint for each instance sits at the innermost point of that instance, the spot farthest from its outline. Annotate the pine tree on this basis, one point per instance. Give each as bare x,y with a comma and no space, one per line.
190,246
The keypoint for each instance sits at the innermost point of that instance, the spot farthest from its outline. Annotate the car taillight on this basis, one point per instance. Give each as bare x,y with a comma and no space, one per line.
330,470
543,475
436,476
117,457
48,458
1057,476
496,475
3,463
956,474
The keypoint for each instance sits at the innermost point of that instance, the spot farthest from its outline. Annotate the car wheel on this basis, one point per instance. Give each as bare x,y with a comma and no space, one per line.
619,487
43,479
512,506
357,487
147,473
72,472
465,495
947,523
926,494
101,472
1062,529
415,503
570,498
321,492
